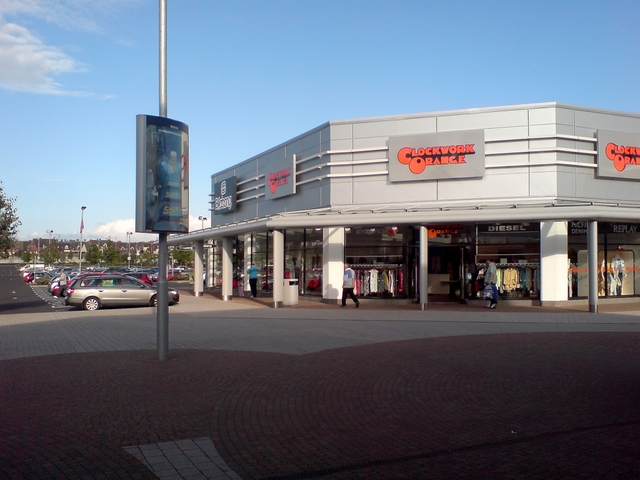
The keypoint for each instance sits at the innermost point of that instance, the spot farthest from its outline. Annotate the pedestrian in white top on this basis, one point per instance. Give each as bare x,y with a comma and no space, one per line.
348,284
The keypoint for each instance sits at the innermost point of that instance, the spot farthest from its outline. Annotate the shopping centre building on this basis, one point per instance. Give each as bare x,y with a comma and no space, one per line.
417,203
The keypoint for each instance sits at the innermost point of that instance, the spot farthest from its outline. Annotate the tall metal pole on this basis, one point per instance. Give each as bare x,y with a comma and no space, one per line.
163,248
592,264
129,250
82,209
424,267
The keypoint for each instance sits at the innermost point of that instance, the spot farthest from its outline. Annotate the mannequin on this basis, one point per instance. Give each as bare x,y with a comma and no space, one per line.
617,273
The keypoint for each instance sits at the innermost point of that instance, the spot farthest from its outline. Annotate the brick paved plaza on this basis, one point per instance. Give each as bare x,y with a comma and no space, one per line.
320,392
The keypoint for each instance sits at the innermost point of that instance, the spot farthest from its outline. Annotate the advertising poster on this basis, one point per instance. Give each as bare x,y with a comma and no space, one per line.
162,184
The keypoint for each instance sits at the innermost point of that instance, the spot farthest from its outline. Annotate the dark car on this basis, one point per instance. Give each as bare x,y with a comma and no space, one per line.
96,291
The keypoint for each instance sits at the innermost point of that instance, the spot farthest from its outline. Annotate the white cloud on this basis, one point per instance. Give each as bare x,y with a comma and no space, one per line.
115,230
118,229
27,65
67,14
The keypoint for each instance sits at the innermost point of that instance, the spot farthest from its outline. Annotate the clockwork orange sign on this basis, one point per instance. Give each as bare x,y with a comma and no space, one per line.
618,155
436,156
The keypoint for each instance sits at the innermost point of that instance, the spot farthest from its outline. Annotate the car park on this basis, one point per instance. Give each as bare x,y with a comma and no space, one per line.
93,292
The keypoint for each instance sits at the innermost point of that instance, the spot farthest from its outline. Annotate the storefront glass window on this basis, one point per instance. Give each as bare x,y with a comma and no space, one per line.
618,254
262,257
377,255
217,263
303,259
515,249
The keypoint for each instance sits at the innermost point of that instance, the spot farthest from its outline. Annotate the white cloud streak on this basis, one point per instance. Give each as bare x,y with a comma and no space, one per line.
27,64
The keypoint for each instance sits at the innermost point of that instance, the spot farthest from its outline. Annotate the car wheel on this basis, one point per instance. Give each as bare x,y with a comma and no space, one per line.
154,301
91,303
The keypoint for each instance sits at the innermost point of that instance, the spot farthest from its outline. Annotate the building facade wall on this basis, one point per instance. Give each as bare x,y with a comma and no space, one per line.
533,154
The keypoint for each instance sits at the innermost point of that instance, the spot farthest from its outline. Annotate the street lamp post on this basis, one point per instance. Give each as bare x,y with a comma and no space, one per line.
202,220
82,209
129,249
49,232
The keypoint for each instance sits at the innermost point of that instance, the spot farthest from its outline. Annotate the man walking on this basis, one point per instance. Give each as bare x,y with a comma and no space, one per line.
62,283
348,284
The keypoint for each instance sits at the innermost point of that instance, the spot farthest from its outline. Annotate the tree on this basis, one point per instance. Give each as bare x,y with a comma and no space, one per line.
50,253
93,255
26,256
183,257
110,255
148,259
9,223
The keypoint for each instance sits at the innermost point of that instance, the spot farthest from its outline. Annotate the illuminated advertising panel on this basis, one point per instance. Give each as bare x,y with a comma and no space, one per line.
162,175
224,196
280,179
618,155
436,156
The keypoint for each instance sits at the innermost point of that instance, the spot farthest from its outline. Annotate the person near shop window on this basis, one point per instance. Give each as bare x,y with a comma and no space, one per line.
348,284
490,280
253,279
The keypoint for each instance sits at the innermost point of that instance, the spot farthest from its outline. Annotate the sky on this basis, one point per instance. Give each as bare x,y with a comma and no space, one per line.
247,75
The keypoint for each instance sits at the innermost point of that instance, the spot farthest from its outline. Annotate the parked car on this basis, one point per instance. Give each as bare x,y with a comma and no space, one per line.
33,276
54,284
56,291
96,291
143,277
154,277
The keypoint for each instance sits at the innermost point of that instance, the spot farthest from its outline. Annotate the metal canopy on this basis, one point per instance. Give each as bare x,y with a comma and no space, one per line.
534,210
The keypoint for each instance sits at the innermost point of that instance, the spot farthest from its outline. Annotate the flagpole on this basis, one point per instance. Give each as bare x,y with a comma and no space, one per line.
81,230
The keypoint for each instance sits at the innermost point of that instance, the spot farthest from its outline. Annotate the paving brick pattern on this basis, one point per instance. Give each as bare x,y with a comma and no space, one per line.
521,405
197,458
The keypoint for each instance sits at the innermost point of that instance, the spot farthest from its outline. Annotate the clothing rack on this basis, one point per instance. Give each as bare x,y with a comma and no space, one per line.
378,280
516,277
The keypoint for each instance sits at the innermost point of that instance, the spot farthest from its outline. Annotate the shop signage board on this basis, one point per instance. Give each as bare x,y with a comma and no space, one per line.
224,196
280,178
618,155
436,156
162,175
502,228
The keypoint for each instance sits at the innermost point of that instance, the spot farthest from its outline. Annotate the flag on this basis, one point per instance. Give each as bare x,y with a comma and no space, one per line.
81,225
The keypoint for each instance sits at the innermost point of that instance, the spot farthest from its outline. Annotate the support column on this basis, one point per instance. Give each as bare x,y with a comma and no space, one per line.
332,263
227,268
424,267
554,267
211,257
198,268
248,256
592,252
278,268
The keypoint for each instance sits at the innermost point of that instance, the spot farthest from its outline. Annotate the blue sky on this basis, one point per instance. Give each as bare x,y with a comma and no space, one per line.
248,75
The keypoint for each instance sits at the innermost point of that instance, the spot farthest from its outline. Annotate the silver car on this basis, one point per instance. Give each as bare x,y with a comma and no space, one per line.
95,292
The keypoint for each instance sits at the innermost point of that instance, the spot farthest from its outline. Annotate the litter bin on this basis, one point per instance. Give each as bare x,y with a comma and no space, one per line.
290,291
